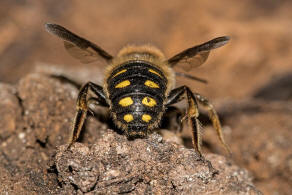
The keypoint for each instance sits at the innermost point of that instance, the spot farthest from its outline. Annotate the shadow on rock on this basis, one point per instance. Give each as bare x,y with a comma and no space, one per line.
279,88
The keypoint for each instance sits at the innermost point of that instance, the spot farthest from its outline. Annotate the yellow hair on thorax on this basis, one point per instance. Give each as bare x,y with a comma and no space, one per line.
144,49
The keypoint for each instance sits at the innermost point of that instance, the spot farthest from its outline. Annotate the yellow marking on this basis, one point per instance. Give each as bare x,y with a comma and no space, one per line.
154,72
127,101
148,101
146,118
151,84
123,84
128,117
122,71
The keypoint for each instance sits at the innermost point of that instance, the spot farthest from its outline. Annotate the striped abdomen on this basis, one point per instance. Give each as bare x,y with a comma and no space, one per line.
137,91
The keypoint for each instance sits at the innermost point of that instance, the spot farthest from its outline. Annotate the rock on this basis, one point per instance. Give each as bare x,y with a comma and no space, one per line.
259,134
40,109
10,111
116,165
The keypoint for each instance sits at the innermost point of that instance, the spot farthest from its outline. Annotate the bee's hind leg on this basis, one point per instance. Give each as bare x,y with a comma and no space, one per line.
214,118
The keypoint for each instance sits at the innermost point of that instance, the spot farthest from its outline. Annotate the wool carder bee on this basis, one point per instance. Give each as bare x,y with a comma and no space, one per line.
139,85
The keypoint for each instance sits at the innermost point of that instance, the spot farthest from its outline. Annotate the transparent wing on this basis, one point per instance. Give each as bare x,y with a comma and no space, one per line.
197,55
78,47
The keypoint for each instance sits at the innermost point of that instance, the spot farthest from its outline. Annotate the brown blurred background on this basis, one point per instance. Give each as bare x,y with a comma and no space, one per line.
260,48
259,52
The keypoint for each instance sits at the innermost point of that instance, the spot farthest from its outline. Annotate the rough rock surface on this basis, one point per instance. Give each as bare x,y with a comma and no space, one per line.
36,117
262,141
146,166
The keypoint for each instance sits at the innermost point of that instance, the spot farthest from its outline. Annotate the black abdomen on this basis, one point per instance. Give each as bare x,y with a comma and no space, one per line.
137,91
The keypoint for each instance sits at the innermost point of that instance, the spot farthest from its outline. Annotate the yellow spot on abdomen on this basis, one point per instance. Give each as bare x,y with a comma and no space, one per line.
151,84
128,117
146,118
123,84
154,72
127,101
120,72
148,101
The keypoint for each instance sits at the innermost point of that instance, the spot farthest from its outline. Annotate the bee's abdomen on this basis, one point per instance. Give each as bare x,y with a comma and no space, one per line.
137,92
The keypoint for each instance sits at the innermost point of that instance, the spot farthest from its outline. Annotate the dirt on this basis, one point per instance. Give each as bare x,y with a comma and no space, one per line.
249,84
146,166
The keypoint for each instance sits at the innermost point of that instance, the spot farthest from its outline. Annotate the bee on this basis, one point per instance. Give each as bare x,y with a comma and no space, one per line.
139,86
